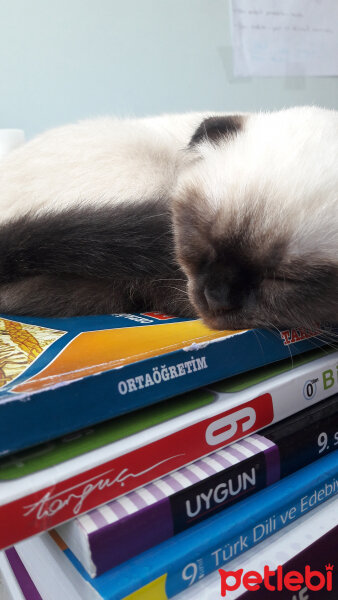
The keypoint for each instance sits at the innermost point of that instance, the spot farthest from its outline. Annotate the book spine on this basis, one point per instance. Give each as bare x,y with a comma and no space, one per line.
315,435
63,500
182,576
22,576
157,512
137,385
280,454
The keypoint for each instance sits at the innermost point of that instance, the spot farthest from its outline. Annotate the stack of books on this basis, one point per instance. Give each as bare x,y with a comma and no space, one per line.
147,457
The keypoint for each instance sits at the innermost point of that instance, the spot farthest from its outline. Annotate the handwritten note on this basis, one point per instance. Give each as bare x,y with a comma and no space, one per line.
289,38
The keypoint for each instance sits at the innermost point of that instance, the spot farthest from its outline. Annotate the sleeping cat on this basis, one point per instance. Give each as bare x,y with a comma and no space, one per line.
230,217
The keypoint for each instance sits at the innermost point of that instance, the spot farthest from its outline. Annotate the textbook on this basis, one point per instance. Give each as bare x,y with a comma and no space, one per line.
102,538
229,411
61,375
311,539
175,565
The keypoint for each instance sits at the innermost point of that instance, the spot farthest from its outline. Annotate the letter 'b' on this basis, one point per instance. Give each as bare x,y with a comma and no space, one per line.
230,587
314,587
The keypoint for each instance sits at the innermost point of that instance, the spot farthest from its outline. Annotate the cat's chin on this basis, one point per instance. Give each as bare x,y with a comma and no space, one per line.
229,320
258,315
237,320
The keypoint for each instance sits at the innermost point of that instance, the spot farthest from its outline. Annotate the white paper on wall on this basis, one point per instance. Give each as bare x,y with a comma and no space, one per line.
289,38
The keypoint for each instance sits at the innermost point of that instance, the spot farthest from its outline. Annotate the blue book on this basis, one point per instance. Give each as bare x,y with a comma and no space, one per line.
172,566
61,375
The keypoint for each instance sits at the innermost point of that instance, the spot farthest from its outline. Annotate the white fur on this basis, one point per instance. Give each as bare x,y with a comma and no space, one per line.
95,161
283,166
287,161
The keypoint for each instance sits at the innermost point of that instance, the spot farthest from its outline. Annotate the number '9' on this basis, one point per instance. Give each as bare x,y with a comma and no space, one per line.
322,441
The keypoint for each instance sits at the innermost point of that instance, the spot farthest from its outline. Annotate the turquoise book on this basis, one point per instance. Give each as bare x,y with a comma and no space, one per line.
60,375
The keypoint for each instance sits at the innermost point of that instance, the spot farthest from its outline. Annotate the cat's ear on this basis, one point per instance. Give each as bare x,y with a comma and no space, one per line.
215,129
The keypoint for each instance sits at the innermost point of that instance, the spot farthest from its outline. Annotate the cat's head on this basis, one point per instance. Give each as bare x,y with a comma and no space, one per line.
256,217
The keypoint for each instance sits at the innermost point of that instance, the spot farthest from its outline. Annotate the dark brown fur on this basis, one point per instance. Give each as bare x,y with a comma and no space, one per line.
89,261
68,296
215,128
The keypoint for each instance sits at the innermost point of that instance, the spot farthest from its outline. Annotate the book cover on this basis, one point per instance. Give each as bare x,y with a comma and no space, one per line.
51,496
180,562
101,539
60,375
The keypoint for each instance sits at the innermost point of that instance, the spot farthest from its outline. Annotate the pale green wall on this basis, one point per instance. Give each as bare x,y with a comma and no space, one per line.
61,60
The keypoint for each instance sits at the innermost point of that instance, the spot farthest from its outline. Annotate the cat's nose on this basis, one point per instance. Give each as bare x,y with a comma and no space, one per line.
218,298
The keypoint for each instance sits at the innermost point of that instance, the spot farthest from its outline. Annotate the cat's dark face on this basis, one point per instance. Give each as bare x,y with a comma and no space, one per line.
236,280
252,259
